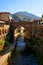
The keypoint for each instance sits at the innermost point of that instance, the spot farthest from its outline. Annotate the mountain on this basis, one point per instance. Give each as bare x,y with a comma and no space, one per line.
20,16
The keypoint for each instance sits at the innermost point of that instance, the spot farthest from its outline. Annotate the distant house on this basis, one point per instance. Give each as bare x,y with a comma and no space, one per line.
41,20
6,17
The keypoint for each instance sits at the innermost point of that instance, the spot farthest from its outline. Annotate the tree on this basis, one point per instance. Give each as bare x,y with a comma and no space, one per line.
10,35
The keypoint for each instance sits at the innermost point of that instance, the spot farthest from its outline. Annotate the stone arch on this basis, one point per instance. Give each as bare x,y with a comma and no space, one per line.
0,31
22,31
16,33
5,30
17,30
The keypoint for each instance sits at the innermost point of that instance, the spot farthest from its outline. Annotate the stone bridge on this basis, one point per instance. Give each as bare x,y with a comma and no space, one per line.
31,27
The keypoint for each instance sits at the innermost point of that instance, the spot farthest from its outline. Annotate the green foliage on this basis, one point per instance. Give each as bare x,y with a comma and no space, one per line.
20,16
31,42
39,57
7,39
10,35
14,53
37,41
2,52
2,42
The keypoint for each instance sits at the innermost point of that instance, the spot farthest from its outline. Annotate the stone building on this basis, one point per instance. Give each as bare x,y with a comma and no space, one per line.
3,29
5,19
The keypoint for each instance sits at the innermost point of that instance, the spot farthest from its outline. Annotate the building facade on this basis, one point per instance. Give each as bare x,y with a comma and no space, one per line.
5,19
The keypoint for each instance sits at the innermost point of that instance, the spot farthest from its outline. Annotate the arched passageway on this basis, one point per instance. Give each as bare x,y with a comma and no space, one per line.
0,32
19,31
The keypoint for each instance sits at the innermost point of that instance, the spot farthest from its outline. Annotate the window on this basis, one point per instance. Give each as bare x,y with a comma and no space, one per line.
5,30
0,32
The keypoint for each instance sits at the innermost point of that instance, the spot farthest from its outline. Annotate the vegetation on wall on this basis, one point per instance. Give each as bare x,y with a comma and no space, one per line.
10,35
2,42
37,44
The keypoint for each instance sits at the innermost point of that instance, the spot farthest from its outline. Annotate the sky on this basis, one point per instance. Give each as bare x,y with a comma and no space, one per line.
13,6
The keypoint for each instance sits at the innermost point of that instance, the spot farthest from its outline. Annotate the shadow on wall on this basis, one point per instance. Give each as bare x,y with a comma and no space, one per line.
10,35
